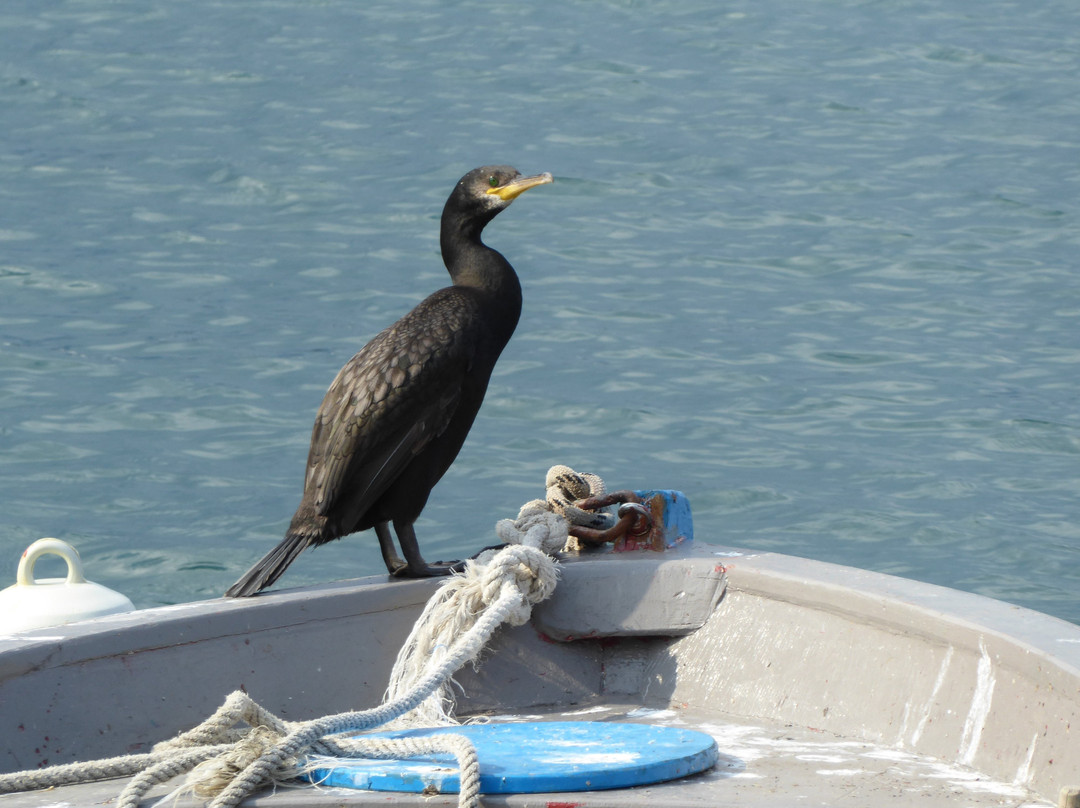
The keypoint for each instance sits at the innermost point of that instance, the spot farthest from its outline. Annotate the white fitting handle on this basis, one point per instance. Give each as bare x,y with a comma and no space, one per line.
25,576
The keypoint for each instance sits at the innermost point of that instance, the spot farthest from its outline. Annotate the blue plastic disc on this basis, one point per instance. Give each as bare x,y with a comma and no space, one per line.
527,758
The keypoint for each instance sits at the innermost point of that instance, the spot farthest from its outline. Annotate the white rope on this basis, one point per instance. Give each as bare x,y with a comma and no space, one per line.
525,571
279,761
228,761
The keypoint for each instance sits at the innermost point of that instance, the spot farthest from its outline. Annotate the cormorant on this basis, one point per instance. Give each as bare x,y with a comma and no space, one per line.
397,414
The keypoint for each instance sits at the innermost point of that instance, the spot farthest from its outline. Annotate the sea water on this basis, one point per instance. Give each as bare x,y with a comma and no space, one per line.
811,263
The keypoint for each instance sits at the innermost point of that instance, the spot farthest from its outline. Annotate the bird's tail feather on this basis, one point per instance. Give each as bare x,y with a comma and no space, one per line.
270,567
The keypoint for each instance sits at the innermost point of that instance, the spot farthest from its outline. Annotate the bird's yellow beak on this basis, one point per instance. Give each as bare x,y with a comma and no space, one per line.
514,188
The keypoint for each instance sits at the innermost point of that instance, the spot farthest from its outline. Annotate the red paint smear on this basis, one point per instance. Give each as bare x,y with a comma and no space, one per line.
564,804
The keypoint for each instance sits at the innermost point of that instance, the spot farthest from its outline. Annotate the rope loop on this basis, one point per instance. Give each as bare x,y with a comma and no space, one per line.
565,486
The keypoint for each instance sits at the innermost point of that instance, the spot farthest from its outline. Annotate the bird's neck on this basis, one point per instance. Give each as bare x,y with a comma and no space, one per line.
472,263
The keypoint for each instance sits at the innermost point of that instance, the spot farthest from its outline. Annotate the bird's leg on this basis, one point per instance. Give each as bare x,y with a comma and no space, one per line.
416,566
394,564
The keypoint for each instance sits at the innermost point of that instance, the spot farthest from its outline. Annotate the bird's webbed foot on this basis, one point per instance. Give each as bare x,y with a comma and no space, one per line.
414,565
426,570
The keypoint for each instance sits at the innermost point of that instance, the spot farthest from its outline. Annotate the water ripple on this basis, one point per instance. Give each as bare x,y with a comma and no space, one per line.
811,264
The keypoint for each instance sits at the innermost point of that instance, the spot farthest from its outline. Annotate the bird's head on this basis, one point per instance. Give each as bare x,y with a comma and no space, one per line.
487,190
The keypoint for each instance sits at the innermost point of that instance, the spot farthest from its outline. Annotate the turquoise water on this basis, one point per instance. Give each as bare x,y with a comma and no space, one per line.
811,263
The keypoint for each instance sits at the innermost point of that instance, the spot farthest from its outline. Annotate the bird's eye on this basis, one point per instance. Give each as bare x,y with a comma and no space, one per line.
493,181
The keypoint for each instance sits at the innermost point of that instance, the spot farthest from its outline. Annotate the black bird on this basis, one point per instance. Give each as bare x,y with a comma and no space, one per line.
397,414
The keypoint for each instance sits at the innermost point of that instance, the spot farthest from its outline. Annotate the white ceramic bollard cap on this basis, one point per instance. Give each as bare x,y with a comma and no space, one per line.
31,604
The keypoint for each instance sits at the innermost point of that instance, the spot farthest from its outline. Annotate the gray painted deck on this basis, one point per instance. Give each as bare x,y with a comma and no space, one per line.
822,684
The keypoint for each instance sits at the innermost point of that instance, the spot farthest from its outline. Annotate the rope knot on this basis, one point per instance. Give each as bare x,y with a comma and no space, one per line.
213,776
536,526
530,570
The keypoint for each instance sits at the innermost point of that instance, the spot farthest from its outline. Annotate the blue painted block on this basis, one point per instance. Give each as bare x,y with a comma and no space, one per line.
677,518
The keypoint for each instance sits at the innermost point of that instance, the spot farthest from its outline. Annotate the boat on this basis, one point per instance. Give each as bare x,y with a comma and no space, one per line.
820,684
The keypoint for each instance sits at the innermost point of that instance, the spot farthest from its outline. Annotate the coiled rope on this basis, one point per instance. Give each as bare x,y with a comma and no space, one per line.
564,486
227,761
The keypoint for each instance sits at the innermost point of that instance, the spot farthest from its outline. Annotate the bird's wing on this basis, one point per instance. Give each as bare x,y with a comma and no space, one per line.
388,402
